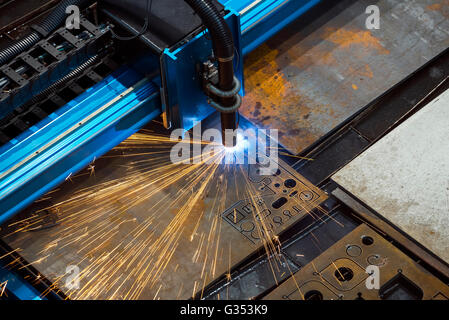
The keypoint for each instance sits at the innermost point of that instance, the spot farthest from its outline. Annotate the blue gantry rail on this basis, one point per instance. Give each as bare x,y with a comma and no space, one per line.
69,139
262,19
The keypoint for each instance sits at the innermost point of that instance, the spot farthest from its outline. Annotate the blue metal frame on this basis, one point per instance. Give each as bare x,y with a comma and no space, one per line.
74,136
20,288
262,19
186,101
20,185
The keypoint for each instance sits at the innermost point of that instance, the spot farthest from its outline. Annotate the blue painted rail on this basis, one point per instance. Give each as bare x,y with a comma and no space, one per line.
262,19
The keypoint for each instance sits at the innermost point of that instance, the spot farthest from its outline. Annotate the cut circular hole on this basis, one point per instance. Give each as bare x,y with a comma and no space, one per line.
290,183
353,251
277,185
344,274
313,295
367,240
306,196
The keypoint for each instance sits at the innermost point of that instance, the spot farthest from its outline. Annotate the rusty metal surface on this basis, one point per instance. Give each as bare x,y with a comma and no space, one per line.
137,235
340,273
325,67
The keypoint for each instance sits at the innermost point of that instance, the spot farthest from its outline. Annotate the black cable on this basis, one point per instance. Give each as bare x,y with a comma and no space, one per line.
144,28
59,84
56,17
223,47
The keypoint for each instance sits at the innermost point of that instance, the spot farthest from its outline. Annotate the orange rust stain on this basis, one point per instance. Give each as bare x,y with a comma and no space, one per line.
442,7
361,72
275,97
354,43
272,101
368,72
438,6
263,79
346,39
267,88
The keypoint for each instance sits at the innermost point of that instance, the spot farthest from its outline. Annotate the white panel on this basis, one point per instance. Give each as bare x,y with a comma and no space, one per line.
405,176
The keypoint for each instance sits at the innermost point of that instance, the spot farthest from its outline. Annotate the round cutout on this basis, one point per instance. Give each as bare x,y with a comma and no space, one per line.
290,183
313,295
367,240
344,274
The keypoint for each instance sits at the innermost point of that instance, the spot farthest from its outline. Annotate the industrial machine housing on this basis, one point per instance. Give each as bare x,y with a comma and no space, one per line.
131,62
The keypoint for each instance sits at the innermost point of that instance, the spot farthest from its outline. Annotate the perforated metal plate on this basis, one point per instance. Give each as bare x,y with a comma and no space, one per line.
341,273
137,232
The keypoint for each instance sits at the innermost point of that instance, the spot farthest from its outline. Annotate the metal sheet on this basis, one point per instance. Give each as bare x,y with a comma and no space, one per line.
404,177
257,279
142,227
326,66
340,273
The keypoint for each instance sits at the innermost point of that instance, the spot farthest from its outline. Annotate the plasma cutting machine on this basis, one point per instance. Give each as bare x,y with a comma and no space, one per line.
126,63
172,68
88,184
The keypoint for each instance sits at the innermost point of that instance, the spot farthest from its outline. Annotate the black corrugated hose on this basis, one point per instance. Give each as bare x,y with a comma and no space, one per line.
221,36
223,46
56,18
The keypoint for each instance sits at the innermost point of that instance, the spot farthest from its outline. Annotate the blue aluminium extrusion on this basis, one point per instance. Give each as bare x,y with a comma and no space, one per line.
80,132
16,285
24,179
186,100
63,144
262,19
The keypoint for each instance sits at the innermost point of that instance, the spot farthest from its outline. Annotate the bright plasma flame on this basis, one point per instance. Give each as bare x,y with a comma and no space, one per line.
241,145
